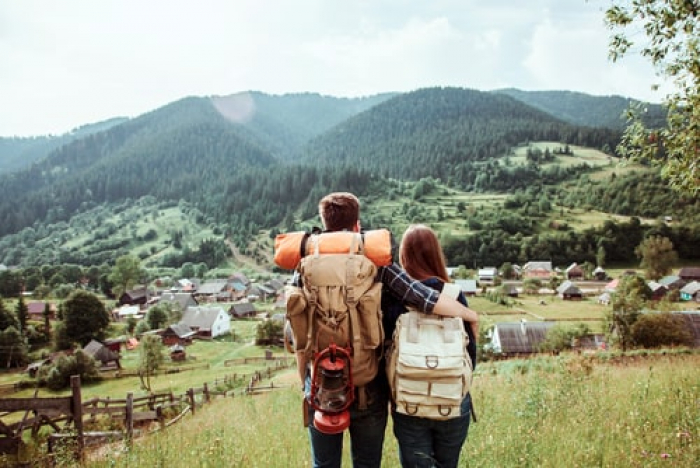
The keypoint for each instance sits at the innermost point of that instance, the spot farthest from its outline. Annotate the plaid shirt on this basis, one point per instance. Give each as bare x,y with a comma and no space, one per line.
409,291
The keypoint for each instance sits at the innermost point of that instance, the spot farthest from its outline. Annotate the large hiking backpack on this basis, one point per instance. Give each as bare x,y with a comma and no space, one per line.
428,366
339,300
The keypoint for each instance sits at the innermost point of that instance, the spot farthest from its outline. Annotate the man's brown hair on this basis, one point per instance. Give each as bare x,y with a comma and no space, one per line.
420,254
339,211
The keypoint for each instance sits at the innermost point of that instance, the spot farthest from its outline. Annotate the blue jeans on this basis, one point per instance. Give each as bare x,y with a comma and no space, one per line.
366,431
428,443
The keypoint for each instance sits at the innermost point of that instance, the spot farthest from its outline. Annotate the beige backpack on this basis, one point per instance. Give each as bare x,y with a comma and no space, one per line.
428,366
339,303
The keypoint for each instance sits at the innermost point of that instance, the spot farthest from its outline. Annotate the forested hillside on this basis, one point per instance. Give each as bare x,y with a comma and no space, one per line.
288,122
19,152
447,133
245,166
584,109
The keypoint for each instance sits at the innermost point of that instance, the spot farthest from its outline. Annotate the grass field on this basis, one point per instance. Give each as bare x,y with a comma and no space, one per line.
202,352
570,410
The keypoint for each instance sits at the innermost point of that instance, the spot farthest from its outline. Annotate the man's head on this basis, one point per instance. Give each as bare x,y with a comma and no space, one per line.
340,211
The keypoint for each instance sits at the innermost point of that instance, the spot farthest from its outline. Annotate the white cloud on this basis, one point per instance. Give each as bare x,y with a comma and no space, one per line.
74,62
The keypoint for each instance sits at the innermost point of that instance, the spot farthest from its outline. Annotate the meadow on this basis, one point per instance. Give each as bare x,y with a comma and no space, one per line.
602,410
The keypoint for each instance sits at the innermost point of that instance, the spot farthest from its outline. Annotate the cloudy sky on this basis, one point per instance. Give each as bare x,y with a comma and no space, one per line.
72,62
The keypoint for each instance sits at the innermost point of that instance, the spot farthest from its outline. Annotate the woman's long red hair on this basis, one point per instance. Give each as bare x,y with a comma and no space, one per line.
421,255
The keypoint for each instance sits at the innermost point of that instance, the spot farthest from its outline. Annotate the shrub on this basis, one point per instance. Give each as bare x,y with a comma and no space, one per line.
655,330
269,332
57,376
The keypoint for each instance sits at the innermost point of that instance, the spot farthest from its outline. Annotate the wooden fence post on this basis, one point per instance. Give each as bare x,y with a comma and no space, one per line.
190,397
77,410
205,391
160,416
129,417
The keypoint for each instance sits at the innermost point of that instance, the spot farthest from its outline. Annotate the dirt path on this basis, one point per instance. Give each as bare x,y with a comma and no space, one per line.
244,260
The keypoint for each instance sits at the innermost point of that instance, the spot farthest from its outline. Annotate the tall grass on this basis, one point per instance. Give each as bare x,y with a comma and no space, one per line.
546,412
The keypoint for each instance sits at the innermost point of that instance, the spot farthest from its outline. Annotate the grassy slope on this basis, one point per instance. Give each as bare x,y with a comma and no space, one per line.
384,208
547,412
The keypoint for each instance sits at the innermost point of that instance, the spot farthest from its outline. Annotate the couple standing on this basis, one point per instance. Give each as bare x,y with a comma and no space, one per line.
422,442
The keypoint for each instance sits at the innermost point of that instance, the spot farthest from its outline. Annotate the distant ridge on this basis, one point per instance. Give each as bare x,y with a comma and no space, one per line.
584,109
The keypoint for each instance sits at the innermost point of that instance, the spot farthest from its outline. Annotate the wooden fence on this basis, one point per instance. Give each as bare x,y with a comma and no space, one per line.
68,416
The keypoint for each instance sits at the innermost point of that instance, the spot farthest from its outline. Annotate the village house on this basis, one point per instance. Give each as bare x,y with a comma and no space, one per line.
240,278
569,291
538,270
673,282
691,292
487,274
188,285
115,344
611,287
243,310
690,273
658,290
212,291
516,338
178,300
600,274
177,334
125,312
238,290
138,296
275,284
35,311
101,353
207,322
178,353
467,286
574,272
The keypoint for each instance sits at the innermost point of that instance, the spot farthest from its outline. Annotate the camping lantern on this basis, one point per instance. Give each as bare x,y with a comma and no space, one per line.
332,391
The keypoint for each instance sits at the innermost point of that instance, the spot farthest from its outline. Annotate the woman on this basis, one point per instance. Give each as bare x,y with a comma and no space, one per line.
428,442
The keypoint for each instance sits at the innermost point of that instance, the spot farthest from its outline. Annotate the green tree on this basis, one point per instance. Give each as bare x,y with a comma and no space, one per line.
654,330
57,376
187,270
507,270
561,337
657,256
269,332
7,318
47,319
131,325
670,41
13,348
151,357
531,285
627,302
84,318
22,312
125,274
600,256
157,316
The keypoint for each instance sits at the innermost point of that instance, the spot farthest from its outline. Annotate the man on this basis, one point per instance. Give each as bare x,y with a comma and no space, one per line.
340,211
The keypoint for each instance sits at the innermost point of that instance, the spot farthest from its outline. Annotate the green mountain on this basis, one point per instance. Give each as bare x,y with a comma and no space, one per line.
288,122
17,152
447,133
245,166
584,109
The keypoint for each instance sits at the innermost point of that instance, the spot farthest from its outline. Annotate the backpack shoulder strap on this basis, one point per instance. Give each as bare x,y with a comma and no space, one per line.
452,290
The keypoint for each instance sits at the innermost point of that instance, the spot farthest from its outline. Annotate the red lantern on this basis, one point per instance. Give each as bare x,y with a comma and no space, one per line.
332,390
